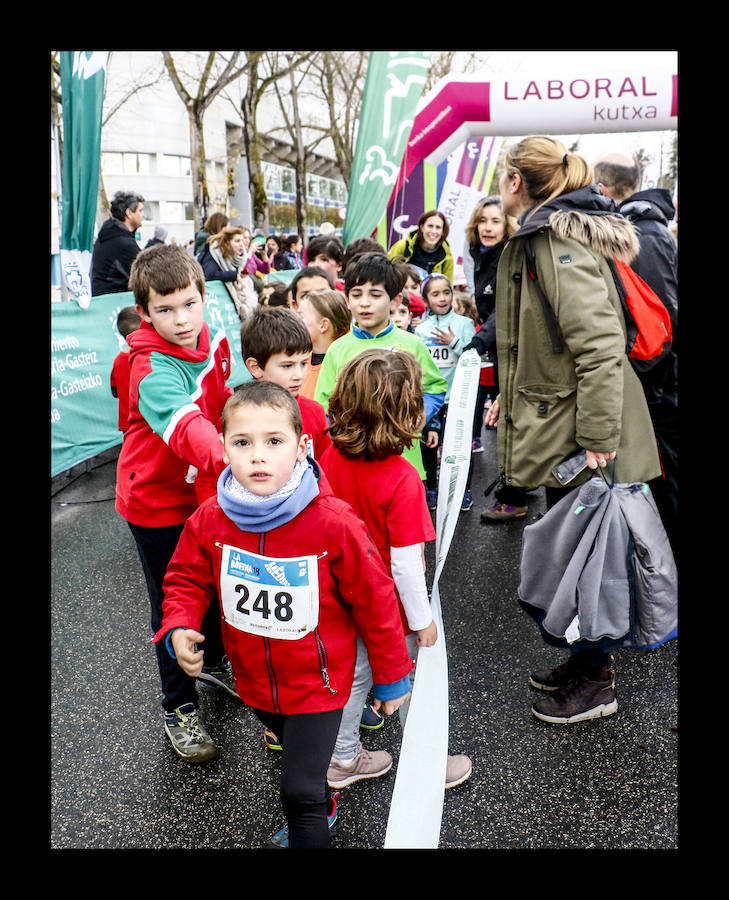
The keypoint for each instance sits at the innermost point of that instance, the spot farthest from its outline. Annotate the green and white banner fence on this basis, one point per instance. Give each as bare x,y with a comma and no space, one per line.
84,344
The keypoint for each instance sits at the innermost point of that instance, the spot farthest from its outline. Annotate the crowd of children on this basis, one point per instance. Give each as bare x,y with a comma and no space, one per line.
281,525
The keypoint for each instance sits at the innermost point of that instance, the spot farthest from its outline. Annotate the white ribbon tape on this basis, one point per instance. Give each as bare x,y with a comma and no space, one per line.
416,808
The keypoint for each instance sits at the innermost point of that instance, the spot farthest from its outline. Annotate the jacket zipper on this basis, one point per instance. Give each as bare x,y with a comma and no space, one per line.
320,648
267,649
323,660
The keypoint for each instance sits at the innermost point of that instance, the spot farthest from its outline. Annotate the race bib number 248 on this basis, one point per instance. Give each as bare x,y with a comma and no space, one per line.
276,598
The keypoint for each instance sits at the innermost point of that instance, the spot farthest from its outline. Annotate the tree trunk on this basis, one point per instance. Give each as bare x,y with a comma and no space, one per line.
259,200
302,227
200,198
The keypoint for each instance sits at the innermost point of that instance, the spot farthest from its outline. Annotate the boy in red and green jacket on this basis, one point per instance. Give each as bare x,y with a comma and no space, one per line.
172,454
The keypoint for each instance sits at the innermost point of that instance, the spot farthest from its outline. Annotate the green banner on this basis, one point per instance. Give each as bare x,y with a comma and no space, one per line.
395,81
84,344
82,94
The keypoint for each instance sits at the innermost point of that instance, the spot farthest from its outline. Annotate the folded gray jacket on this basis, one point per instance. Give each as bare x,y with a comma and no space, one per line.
599,565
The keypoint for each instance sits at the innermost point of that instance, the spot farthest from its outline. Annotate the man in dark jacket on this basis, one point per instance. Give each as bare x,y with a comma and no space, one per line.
116,249
657,264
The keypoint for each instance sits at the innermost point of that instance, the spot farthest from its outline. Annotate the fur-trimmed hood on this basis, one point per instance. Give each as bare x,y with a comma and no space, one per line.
589,217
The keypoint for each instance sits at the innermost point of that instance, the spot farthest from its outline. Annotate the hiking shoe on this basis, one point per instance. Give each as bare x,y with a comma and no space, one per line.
366,764
467,501
431,498
271,740
219,676
458,770
552,679
281,838
371,720
476,446
579,699
503,512
188,736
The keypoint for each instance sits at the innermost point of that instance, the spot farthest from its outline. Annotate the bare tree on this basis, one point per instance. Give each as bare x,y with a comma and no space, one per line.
146,79
341,80
294,127
206,87
263,73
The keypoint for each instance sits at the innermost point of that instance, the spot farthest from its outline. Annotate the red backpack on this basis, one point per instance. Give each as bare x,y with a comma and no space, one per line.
646,318
648,325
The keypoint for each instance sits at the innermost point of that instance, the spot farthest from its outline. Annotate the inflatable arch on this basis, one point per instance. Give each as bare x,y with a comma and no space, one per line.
633,98
476,114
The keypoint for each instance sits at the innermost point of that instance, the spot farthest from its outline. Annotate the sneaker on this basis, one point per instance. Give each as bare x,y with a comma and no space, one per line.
271,740
552,679
220,676
431,498
371,720
476,446
503,512
281,838
188,736
467,501
458,770
580,699
366,764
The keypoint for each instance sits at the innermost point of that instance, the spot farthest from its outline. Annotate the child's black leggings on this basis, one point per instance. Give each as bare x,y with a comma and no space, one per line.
308,742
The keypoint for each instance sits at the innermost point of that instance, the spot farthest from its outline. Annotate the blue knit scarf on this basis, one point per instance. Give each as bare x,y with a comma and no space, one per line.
250,512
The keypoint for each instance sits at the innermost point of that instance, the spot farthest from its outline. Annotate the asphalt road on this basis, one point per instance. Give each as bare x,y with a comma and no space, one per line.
115,782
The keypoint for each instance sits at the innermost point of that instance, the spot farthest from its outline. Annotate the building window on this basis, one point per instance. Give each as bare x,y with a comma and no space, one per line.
112,164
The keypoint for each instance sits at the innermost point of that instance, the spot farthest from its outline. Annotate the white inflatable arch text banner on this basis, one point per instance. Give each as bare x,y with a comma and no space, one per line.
634,98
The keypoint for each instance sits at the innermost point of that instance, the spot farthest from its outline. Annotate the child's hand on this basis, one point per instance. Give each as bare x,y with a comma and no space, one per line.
183,641
390,706
432,440
492,414
441,336
427,636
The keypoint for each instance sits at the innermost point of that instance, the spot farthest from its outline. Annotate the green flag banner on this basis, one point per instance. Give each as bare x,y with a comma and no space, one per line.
82,89
395,81
84,344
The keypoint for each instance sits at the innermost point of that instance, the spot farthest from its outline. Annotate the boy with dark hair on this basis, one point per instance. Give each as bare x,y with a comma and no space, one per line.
310,278
371,283
326,252
276,346
179,367
127,322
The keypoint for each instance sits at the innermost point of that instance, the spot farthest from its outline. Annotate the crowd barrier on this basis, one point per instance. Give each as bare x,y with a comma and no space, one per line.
84,344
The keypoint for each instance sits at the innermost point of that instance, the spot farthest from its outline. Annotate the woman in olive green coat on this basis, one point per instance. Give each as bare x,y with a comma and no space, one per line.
552,404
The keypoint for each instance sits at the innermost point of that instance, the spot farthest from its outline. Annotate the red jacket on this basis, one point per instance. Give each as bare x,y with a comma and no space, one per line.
176,399
356,595
119,382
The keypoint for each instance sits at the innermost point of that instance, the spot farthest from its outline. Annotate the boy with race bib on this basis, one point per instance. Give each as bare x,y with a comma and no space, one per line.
297,578
445,334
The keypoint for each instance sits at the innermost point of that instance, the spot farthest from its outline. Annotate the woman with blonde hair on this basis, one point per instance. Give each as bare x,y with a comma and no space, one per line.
224,259
565,382
327,317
